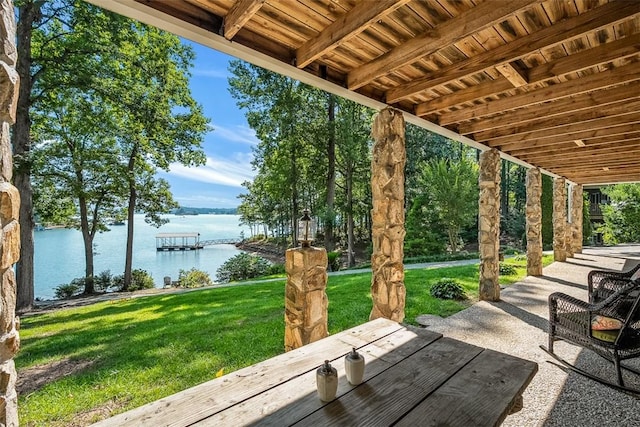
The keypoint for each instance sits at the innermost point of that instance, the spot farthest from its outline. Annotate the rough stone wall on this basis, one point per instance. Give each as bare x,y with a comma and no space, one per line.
576,218
534,222
305,297
559,219
489,225
387,189
10,228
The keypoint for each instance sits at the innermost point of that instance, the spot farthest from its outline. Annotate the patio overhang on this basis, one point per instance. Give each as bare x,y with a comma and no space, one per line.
554,85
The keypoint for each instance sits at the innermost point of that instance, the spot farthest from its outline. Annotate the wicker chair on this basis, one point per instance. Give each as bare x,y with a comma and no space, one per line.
596,278
610,328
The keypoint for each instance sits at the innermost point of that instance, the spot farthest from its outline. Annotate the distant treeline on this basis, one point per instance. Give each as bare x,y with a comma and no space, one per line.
196,211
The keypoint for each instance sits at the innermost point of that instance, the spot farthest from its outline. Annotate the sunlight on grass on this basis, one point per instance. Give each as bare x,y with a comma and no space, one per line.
143,349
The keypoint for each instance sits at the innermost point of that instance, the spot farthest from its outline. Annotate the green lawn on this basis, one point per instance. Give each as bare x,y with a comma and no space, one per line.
139,350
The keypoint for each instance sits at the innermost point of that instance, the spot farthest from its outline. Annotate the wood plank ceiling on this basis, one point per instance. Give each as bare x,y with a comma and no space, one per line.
553,83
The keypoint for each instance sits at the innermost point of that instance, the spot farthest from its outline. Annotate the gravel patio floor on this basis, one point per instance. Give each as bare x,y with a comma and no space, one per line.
517,325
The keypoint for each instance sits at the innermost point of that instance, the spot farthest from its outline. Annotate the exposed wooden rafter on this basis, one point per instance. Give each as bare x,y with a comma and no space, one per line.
239,14
346,26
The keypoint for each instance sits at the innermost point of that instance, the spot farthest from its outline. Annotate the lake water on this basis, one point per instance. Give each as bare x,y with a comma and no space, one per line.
59,253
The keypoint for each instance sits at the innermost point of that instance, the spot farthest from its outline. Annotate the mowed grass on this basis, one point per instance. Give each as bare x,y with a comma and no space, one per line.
139,350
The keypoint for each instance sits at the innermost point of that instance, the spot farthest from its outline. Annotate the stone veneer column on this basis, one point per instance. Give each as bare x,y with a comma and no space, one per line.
489,225
534,222
576,218
305,297
559,220
387,190
9,209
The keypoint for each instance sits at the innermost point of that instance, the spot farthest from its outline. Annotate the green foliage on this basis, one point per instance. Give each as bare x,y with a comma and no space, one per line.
140,279
194,278
507,269
622,215
547,211
452,192
446,288
103,281
587,228
334,260
241,267
69,290
276,269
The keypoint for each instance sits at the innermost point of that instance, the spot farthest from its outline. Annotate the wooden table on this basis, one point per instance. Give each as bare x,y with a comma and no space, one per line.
412,377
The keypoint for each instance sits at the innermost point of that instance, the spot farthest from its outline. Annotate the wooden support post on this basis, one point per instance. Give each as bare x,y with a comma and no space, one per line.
387,189
489,225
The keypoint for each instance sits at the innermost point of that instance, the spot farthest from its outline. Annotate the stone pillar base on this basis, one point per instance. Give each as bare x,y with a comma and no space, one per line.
306,300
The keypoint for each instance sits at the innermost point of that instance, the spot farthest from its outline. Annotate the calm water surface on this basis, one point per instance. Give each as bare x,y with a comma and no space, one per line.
59,253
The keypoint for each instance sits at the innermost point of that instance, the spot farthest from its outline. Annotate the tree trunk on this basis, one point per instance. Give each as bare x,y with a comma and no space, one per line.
331,177
351,256
294,201
21,142
128,262
87,238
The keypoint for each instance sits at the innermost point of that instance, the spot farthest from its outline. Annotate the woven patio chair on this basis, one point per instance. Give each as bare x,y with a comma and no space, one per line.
610,328
596,278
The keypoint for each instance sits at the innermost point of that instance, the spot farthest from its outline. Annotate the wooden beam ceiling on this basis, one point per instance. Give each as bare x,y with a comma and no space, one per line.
529,77
239,14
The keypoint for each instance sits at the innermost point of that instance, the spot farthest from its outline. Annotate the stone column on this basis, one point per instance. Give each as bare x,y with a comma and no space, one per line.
559,220
534,222
9,210
489,225
576,218
306,302
387,190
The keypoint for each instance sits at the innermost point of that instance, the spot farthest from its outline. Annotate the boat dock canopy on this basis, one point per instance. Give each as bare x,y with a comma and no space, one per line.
178,241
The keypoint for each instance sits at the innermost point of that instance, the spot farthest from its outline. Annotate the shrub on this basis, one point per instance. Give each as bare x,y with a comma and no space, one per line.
242,266
70,289
447,289
277,268
194,278
334,260
140,279
103,281
507,269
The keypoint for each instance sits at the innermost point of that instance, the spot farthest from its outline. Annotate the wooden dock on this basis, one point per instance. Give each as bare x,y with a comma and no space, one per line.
178,242
187,242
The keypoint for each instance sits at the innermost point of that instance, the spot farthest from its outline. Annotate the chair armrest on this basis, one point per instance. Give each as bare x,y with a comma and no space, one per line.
610,286
596,277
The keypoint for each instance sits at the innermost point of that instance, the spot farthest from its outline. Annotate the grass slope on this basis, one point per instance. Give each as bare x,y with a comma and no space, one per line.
139,350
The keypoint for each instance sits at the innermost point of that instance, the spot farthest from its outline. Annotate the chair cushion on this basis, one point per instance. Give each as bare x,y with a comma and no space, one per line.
605,328
635,276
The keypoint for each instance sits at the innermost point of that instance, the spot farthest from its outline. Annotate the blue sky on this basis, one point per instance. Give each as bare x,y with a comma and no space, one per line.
227,146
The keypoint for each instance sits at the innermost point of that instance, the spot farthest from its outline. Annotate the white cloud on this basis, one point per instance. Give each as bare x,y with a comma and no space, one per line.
207,201
241,134
214,73
230,172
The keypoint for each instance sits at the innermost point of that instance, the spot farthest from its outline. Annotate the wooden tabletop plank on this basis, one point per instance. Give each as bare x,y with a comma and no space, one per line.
194,404
292,401
387,397
481,394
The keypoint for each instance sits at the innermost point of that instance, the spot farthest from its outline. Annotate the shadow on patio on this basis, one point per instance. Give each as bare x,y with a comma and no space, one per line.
517,325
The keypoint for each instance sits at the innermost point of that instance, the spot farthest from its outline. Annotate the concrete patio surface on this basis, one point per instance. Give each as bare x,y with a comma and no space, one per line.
517,325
